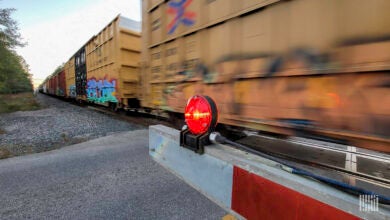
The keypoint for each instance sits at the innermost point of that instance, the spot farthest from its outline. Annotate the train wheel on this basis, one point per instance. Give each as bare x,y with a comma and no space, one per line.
148,110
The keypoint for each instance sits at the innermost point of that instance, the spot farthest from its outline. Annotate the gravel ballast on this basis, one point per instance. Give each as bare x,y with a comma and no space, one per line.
58,124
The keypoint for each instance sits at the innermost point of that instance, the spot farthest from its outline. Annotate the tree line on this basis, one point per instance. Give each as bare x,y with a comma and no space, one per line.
14,71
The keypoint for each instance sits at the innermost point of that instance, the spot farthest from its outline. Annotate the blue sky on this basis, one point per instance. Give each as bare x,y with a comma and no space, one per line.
30,12
55,29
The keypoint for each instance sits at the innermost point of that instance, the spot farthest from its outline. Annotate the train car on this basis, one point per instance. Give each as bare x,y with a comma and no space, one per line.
112,65
42,87
61,84
310,68
53,84
46,86
105,70
80,74
70,76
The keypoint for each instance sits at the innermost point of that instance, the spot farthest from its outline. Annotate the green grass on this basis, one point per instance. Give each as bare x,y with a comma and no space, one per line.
18,102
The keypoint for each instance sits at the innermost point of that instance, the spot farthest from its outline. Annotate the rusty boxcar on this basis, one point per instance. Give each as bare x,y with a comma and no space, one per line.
300,67
56,84
53,84
61,84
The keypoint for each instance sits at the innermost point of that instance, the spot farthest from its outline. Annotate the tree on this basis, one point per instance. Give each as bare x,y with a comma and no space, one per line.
9,31
14,73
14,78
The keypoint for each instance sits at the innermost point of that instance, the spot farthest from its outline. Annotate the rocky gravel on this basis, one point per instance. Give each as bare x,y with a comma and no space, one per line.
58,124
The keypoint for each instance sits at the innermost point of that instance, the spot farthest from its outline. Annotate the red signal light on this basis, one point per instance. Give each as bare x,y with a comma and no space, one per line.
201,114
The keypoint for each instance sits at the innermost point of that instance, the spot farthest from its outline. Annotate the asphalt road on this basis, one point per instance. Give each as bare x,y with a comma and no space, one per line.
107,178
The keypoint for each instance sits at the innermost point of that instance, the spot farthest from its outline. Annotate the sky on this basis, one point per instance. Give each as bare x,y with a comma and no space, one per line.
55,29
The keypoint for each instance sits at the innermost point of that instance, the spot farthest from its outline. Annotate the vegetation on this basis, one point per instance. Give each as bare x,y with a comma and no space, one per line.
14,73
17,102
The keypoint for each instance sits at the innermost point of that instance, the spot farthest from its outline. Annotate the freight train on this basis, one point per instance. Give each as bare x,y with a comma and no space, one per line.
309,68
104,70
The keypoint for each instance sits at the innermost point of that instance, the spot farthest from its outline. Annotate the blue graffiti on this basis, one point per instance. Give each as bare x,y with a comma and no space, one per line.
101,91
72,91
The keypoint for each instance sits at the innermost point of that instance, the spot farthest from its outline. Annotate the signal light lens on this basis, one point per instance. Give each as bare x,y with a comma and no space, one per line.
200,114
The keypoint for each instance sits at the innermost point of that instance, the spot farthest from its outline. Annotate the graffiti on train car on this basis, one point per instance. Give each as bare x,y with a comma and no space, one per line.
101,90
60,92
181,15
295,96
72,91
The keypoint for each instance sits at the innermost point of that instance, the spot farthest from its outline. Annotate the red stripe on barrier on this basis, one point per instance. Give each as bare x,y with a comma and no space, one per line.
255,197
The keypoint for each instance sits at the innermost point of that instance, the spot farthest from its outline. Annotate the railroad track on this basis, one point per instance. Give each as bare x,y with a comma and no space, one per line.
140,118
349,164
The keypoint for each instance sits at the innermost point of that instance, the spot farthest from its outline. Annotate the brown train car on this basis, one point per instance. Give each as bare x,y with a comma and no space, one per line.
61,87
56,84
105,70
70,85
295,67
112,64
53,83
47,86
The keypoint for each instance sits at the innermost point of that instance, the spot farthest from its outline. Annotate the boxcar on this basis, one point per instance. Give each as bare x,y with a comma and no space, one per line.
61,84
70,75
112,64
105,70
43,87
80,74
300,67
53,83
